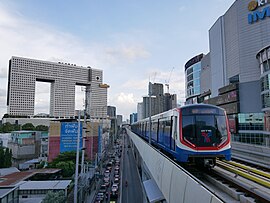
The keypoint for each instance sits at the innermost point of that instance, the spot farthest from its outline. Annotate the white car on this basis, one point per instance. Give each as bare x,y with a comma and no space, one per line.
114,188
100,196
106,179
116,181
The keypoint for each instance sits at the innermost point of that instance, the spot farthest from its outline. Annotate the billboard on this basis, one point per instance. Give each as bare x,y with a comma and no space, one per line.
68,136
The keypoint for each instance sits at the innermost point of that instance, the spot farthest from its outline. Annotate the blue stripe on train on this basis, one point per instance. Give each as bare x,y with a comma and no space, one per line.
183,155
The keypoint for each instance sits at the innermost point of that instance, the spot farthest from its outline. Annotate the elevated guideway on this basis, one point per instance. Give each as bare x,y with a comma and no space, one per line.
175,184
255,154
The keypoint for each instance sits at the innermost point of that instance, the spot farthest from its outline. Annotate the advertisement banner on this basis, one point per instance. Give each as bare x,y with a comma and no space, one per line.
68,136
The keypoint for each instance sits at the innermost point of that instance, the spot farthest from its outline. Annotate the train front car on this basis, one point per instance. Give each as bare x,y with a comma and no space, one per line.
204,134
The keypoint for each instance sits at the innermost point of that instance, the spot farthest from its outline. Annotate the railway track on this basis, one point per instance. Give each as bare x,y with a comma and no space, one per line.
235,182
250,173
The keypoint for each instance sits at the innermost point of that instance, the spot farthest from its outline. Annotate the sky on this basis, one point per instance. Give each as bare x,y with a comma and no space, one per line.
132,41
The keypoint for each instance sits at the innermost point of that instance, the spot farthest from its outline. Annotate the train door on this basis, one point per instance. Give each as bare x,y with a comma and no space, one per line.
173,132
158,129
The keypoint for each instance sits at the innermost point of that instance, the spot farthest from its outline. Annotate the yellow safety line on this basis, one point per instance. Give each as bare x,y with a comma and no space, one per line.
262,173
246,175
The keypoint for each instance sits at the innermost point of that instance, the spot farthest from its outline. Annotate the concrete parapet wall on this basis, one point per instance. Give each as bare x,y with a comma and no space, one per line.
173,182
251,153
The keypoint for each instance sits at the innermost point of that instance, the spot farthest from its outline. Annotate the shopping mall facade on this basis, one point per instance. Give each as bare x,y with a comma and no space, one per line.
235,74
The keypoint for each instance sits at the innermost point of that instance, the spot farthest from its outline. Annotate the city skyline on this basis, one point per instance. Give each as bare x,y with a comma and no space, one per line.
121,38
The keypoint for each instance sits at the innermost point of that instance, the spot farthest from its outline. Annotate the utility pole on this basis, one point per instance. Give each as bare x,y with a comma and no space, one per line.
150,112
77,160
87,90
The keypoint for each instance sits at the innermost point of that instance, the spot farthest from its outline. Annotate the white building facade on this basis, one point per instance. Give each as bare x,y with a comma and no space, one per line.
63,77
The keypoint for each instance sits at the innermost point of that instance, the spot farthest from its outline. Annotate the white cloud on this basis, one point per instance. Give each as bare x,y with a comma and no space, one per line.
31,39
127,52
126,101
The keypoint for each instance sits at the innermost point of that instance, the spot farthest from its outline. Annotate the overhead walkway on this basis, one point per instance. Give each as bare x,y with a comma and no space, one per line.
175,184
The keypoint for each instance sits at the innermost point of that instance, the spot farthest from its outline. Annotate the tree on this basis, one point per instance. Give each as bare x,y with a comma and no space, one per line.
68,168
7,127
55,197
2,157
28,126
65,161
41,164
42,128
5,157
8,157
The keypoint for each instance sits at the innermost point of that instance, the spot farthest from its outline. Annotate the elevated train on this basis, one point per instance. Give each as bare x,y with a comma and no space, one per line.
197,133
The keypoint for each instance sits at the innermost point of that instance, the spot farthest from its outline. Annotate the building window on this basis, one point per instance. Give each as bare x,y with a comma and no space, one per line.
266,100
234,79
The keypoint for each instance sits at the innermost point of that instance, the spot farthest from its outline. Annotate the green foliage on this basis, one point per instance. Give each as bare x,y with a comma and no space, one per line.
65,161
2,157
28,126
5,157
68,168
42,128
7,127
55,197
41,164
65,156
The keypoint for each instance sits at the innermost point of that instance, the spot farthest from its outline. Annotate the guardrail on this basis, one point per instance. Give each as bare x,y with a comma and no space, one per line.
257,155
173,181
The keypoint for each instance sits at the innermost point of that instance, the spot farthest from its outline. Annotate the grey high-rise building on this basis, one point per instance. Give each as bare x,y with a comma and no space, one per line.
140,111
160,102
63,77
235,39
170,101
111,111
235,73
119,120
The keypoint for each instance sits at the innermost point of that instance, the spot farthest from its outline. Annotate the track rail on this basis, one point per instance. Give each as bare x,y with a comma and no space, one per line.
255,175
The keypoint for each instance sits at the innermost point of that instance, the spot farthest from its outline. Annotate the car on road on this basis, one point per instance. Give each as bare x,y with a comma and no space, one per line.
116,172
116,176
100,196
107,183
106,178
116,181
103,188
114,188
107,173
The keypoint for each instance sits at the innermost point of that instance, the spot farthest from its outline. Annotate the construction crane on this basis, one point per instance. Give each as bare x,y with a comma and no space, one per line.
167,82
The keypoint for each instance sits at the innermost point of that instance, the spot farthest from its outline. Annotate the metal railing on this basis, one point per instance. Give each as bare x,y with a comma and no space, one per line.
257,138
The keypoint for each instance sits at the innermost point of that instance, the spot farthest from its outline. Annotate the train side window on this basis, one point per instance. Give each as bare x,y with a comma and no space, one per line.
174,127
167,127
155,127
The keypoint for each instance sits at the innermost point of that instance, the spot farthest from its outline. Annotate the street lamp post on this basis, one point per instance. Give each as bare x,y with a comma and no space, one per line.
150,122
77,160
150,112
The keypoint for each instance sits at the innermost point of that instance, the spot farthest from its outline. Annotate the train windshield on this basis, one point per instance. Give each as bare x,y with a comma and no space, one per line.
204,130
